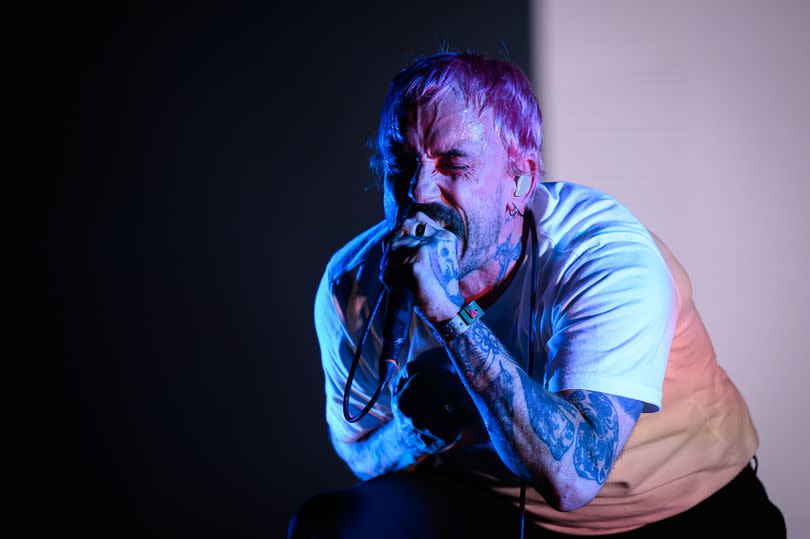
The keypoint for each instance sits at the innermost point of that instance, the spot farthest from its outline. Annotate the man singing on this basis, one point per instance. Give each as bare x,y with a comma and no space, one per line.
554,348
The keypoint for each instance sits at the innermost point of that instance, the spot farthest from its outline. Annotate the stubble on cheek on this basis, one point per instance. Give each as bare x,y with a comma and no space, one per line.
482,237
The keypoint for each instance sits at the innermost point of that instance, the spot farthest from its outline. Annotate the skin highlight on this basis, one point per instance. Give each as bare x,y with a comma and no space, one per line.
578,434
453,157
461,191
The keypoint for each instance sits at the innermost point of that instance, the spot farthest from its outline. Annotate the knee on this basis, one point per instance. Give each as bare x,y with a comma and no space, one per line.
315,518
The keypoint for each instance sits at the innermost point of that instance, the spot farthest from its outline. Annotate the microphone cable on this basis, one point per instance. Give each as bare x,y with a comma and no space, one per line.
389,366
530,360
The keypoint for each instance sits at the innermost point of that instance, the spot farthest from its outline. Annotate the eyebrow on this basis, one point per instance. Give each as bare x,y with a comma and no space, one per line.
453,152
446,154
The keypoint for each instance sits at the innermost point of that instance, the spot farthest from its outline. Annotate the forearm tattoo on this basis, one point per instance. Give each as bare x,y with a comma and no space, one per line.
478,352
384,450
596,446
554,420
586,421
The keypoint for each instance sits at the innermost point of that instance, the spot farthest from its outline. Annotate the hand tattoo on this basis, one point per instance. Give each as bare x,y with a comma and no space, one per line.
445,269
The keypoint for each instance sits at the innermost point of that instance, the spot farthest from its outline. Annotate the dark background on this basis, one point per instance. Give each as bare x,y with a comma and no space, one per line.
176,181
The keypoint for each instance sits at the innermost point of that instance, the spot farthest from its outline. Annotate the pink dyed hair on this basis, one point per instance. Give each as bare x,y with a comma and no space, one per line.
487,82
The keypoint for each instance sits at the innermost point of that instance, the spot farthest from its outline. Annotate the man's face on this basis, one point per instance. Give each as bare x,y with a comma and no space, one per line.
453,167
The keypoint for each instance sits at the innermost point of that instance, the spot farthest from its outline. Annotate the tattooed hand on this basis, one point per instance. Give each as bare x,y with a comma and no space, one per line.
427,264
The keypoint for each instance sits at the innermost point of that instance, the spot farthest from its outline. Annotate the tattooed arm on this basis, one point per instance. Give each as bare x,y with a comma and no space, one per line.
563,444
392,447
407,438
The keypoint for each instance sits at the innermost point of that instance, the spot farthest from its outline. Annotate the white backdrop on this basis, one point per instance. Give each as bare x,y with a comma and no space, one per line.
696,115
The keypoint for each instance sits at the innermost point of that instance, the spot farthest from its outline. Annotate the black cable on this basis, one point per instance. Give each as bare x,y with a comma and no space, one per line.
530,364
385,368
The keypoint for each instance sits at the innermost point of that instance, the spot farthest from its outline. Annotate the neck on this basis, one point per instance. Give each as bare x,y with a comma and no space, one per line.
486,283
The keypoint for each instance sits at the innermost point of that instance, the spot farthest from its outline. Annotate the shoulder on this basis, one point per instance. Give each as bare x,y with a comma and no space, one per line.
602,255
575,217
356,252
352,272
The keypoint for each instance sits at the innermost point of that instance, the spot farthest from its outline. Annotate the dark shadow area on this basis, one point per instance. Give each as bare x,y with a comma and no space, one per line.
179,181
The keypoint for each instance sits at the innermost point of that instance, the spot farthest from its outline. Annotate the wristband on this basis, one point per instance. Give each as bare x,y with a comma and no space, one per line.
449,330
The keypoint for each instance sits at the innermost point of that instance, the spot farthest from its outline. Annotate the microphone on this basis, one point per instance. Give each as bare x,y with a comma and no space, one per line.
397,323
395,331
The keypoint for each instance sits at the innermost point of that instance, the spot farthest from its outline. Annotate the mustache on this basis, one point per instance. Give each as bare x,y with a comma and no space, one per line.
446,217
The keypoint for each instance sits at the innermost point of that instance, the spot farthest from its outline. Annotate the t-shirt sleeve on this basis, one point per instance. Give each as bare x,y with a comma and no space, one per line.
337,345
613,320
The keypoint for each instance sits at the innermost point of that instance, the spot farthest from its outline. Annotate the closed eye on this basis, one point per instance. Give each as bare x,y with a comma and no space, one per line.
453,166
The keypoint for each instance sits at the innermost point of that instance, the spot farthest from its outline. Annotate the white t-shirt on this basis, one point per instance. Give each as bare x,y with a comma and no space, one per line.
614,314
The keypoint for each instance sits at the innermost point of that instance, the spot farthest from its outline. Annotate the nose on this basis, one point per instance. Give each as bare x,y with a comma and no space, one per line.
424,184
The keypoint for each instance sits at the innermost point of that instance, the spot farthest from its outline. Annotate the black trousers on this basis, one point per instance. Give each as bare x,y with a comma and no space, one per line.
436,502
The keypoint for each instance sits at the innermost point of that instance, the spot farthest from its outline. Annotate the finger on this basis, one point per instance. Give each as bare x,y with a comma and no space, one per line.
407,242
403,247
426,219
417,227
401,252
407,228
438,230
394,235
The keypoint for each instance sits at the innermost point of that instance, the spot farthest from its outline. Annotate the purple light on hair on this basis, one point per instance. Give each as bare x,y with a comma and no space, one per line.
488,82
